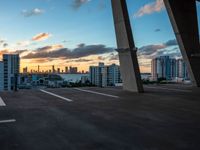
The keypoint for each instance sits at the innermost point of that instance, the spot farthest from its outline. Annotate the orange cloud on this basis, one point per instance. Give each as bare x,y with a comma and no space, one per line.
3,52
54,47
41,37
150,8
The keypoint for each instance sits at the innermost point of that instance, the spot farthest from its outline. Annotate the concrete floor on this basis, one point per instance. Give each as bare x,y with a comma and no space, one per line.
165,117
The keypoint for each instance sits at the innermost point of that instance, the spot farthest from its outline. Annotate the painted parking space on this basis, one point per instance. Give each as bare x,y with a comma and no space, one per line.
96,93
7,121
2,103
56,95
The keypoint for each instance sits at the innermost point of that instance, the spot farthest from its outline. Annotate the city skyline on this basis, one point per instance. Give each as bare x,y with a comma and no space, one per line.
81,33
53,69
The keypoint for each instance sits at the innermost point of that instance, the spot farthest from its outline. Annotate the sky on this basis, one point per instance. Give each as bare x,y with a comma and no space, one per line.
81,32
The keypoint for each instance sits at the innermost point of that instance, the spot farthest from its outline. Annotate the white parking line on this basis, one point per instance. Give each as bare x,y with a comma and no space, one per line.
171,89
93,92
7,121
2,102
66,99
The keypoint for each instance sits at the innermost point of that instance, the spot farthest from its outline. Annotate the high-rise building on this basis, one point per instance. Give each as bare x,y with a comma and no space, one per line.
94,75
114,75
156,68
165,67
165,63
182,69
98,75
1,76
173,68
11,65
105,75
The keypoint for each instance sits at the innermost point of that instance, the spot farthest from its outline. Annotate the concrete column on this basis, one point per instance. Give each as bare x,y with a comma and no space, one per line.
183,16
127,51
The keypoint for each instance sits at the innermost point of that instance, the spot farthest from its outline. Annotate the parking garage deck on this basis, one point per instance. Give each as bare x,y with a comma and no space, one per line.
164,117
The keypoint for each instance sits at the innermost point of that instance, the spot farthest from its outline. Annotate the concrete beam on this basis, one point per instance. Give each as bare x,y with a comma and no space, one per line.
183,16
127,51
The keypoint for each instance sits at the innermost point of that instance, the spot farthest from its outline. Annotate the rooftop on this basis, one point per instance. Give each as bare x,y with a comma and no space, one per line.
164,117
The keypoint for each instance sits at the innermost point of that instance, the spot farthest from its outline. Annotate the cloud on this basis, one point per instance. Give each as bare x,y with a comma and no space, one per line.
148,52
82,50
82,60
41,37
65,41
101,58
4,51
157,30
78,3
2,41
23,43
5,45
151,51
150,8
171,43
114,57
7,51
145,64
50,48
41,60
33,12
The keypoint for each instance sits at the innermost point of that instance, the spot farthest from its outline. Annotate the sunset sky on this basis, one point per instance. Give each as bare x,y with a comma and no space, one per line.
81,32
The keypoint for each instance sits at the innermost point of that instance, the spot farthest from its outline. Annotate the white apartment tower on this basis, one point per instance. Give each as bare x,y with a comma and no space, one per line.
1,76
10,71
166,67
105,75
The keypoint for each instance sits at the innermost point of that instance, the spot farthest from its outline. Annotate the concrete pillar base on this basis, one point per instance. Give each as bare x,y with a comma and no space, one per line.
130,70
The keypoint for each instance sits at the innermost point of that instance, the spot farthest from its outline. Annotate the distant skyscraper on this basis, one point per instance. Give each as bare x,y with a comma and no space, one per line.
73,70
38,69
58,70
25,70
11,63
66,70
53,69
